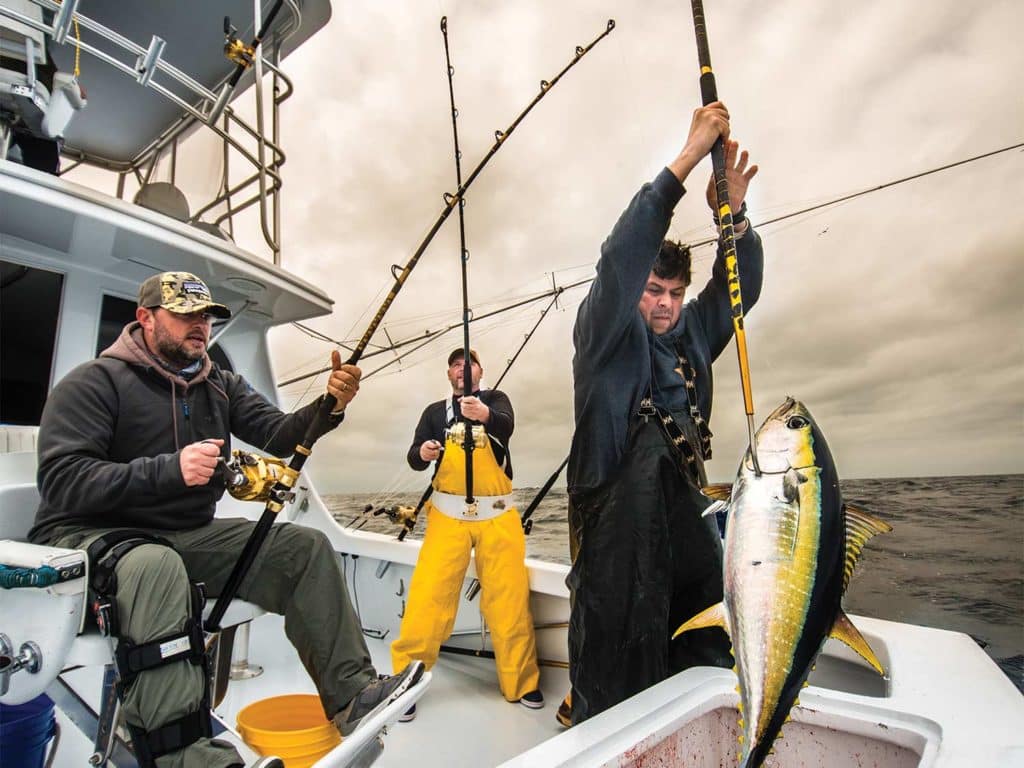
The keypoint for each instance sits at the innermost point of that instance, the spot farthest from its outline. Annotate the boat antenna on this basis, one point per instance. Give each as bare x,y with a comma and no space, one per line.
709,94
281,491
467,354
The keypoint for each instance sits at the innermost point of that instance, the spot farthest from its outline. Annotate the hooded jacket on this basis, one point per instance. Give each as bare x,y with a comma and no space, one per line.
112,431
618,359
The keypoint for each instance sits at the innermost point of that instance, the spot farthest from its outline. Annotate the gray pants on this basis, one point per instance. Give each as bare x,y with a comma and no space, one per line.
295,574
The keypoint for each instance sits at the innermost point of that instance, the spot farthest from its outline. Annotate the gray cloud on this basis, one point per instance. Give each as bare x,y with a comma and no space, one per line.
896,317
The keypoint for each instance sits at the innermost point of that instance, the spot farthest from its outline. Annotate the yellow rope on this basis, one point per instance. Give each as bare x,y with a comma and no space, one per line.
78,49
78,46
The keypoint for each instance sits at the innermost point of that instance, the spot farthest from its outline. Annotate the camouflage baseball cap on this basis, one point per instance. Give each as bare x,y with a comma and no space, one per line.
181,293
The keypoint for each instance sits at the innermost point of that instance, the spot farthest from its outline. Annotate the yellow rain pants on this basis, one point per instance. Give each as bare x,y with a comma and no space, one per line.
504,587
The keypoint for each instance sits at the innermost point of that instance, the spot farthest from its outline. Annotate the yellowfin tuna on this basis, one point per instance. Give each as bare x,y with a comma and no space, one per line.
790,549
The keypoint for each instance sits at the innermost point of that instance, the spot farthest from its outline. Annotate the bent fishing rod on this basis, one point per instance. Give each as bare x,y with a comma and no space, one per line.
709,94
281,491
467,361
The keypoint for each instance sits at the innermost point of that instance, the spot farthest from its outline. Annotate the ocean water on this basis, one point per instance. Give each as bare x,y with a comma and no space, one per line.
954,560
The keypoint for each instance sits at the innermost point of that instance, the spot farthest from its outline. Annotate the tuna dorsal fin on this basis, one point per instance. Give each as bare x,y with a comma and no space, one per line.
709,617
860,526
718,491
844,631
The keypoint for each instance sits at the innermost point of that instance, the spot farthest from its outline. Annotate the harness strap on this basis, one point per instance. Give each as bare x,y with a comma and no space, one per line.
172,736
690,380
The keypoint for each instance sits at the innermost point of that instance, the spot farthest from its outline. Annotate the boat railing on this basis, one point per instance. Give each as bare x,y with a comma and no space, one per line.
199,105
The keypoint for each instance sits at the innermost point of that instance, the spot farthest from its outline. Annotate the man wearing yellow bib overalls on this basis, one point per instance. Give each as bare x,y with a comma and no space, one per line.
493,529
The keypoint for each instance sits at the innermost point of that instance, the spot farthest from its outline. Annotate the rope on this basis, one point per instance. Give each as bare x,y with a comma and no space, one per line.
13,578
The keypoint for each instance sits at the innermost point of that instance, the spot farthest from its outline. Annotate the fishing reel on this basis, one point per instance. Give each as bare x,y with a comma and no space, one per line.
457,433
399,514
251,477
235,49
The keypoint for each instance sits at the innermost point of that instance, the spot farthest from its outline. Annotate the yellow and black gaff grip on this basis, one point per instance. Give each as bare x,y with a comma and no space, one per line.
709,94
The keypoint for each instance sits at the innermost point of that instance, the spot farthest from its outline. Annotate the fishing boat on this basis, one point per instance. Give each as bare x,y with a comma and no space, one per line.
71,260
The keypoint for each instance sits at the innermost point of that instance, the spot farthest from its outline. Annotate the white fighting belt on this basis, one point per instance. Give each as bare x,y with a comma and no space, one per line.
454,506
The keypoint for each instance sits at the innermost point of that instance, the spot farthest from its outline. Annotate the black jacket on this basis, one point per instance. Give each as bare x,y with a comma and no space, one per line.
113,428
434,421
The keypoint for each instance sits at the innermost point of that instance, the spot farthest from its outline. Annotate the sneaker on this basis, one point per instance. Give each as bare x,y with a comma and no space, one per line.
532,700
409,715
564,713
264,762
375,696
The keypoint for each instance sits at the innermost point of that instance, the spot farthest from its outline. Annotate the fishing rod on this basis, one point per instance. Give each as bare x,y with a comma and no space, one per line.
281,491
526,340
709,94
528,513
467,356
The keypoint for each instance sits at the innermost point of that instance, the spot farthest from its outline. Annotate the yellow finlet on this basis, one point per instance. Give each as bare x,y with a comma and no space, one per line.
844,630
709,617
860,526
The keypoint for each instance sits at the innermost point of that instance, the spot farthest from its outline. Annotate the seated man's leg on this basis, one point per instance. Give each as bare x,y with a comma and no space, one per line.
296,574
433,591
505,603
153,602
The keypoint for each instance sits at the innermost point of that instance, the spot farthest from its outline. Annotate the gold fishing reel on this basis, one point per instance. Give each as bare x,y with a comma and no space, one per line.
251,477
235,49
457,433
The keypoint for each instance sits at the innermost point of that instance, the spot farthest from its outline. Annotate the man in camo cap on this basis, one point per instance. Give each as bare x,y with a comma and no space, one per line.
129,449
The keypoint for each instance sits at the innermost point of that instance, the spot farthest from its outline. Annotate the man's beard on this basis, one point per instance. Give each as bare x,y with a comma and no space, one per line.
174,353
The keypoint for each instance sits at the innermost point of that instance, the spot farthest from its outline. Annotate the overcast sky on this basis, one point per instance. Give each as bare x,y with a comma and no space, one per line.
895,317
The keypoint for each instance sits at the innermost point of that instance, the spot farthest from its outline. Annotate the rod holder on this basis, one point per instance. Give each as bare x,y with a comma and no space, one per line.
145,66
218,106
62,21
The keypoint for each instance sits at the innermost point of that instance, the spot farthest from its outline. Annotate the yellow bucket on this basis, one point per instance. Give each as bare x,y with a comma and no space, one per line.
292,727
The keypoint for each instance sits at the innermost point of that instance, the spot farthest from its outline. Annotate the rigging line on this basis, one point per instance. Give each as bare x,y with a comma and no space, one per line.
527,338
429,335
877,188
709,94
467,356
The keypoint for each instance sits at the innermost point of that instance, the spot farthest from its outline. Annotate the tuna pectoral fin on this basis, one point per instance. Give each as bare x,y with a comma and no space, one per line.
718,491
844,630
860,526
709,617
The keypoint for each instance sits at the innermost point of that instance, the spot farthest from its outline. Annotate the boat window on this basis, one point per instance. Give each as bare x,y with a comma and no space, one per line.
29,310
115,314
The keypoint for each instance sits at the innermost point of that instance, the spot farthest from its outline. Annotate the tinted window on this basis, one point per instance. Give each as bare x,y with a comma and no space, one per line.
29,310
115,315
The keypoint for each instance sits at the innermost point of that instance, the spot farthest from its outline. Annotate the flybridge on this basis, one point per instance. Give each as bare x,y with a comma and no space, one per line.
159,73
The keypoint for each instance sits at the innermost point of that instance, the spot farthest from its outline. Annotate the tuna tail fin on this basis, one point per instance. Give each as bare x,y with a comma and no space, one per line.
860,526
844,631
709,617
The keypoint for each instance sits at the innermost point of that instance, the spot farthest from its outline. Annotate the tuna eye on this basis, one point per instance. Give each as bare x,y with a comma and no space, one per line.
797,422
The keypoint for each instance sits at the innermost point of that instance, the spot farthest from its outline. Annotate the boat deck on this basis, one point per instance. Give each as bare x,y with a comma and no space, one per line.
461,720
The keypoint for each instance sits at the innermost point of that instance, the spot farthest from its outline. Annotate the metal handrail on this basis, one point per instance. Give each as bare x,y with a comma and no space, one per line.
267,169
